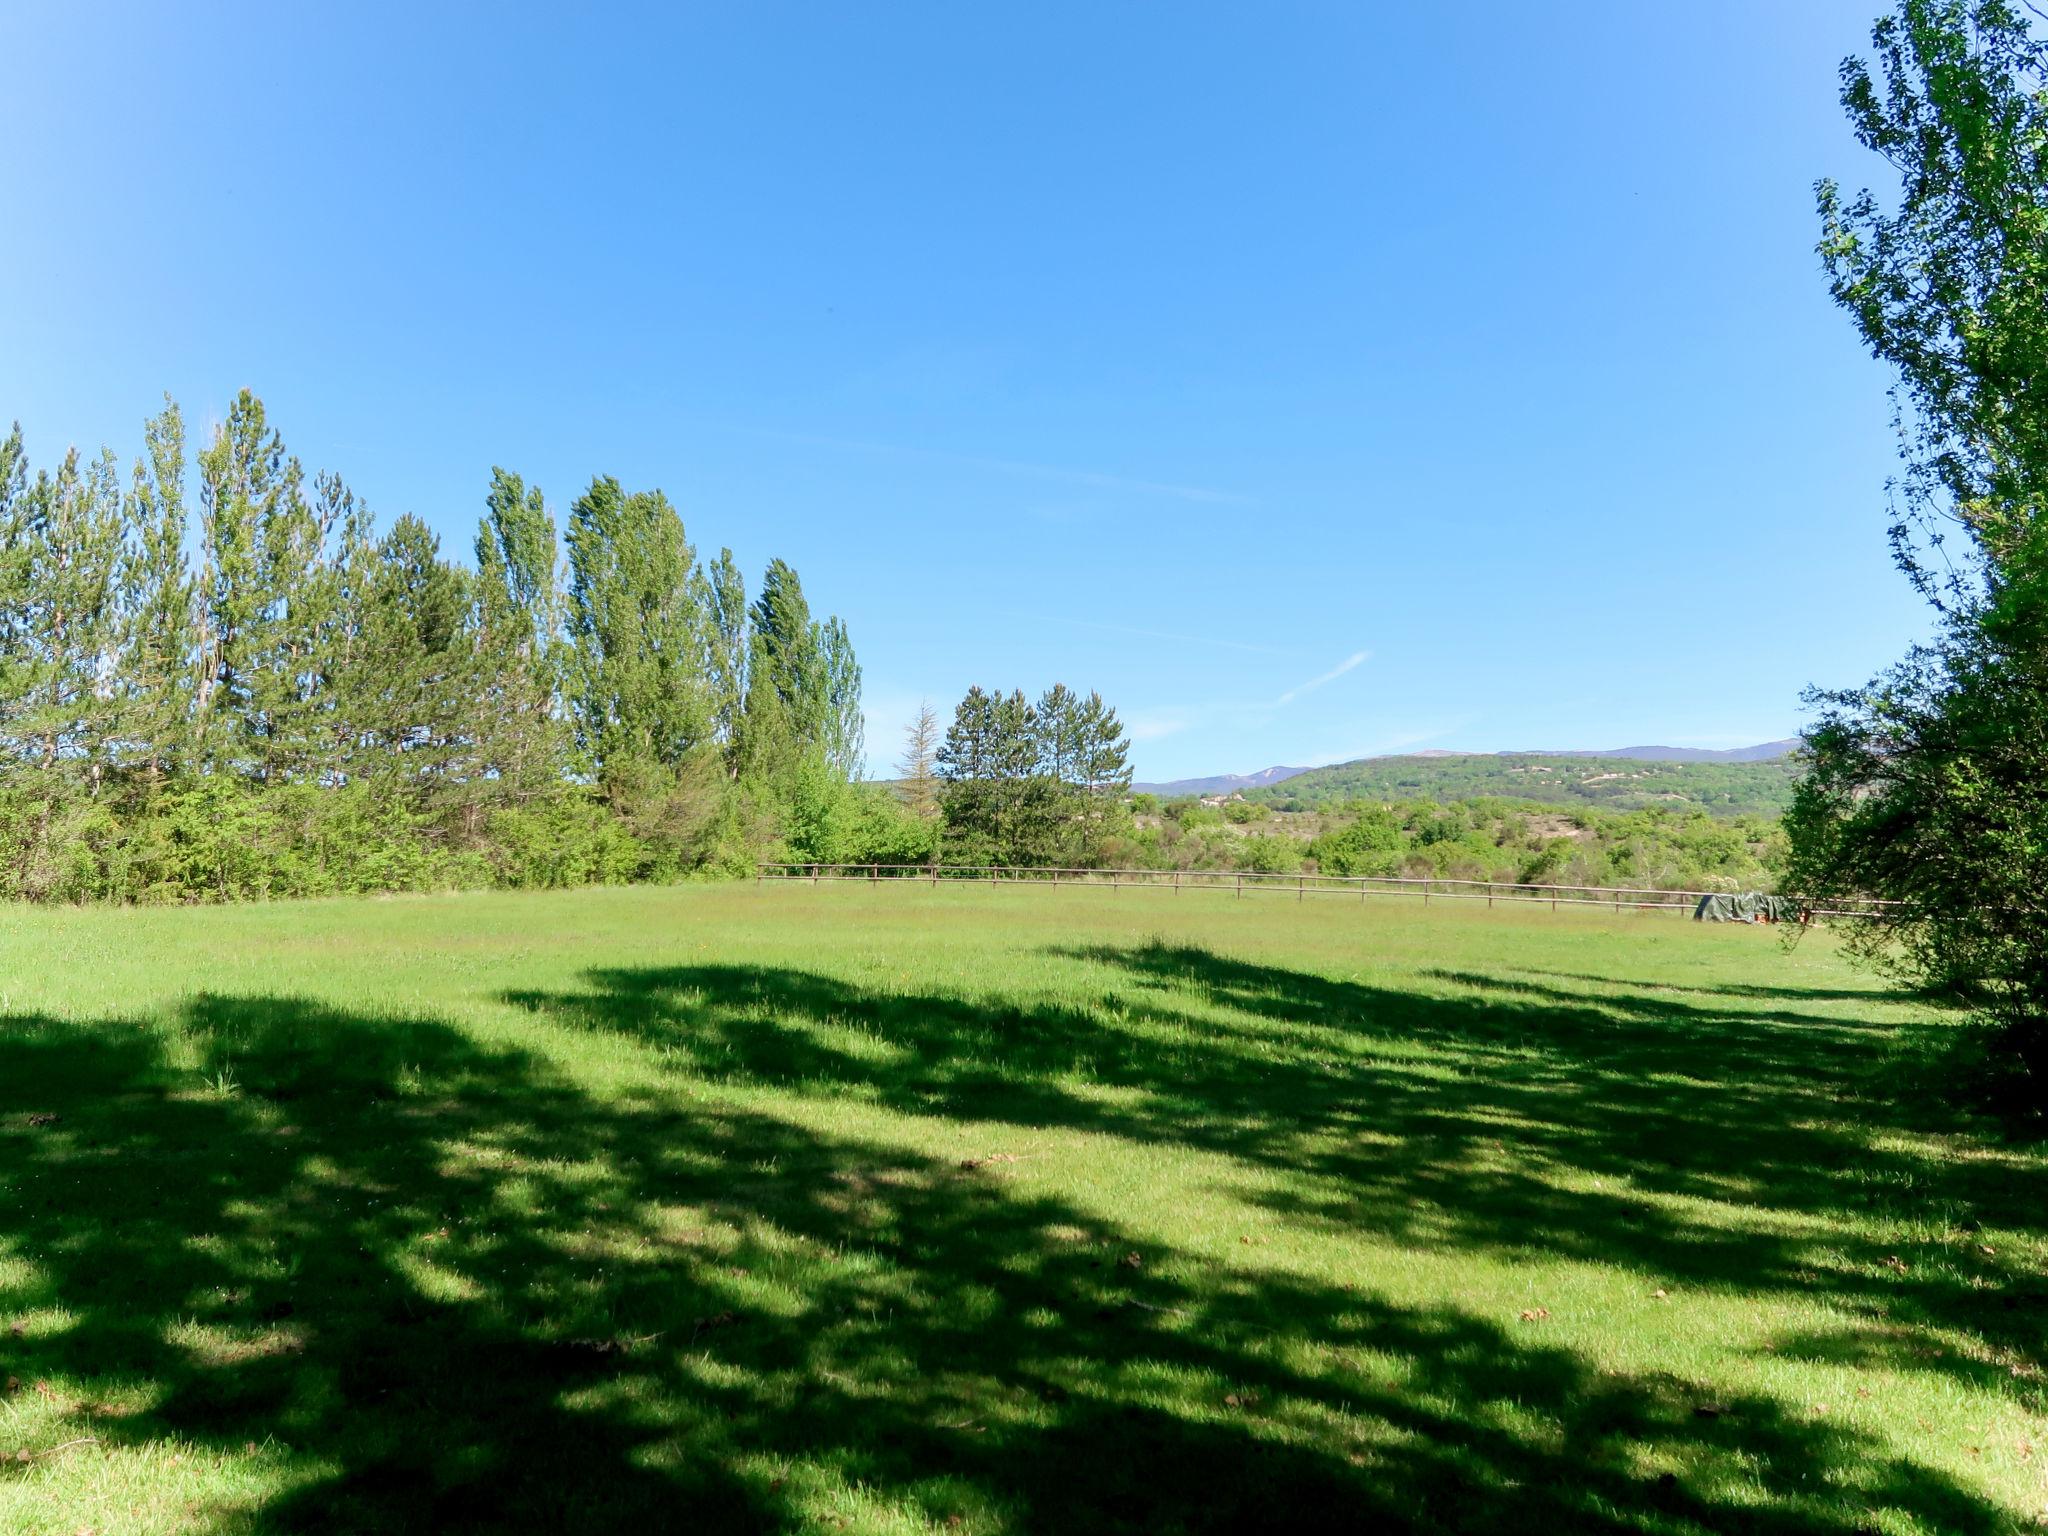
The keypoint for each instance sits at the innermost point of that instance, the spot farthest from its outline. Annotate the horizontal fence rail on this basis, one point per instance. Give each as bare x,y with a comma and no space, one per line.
1300,887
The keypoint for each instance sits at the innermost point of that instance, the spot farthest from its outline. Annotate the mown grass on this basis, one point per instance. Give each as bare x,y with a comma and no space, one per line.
992,1210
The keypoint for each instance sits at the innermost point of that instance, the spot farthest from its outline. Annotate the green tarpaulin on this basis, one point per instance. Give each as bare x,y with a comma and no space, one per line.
1748,907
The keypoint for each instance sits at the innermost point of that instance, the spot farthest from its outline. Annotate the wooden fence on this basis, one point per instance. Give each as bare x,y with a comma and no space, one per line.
1300,887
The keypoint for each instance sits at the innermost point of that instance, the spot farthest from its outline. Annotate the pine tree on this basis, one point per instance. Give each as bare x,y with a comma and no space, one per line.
1104,760
269,596
406,705
59,641
967,764
918,767
1029,820
1059,734
155,677
17,670
62,634
1104,770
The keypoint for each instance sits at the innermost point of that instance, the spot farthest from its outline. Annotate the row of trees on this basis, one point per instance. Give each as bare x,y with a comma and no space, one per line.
282,700
1016,782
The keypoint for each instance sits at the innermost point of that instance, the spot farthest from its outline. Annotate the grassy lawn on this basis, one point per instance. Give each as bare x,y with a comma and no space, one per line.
991,1210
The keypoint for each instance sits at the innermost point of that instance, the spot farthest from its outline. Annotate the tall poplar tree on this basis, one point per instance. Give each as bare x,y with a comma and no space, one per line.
726,600
1928,786
845,733
640,702
518,620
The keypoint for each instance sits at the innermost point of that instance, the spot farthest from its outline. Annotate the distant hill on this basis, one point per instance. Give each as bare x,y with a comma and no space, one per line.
1763,752
1722,784
1219,783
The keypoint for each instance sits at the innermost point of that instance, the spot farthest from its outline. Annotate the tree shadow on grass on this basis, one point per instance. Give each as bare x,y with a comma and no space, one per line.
1861,996
1730,1147
441,1286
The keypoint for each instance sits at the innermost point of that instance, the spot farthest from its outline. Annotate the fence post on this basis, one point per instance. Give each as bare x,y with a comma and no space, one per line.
1240,885
1301,887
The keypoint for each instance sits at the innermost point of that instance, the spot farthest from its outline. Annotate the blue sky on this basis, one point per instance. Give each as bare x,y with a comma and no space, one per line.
1313,380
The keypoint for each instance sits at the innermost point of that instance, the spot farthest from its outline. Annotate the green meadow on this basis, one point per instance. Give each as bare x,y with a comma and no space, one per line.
993,1210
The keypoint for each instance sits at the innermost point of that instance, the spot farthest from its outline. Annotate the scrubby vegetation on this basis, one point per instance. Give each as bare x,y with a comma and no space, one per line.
1483,839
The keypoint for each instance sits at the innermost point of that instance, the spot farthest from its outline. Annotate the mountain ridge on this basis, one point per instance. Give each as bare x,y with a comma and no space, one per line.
1265,778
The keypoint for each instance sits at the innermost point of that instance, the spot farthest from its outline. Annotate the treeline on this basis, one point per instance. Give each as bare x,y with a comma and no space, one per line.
1023,783
277,699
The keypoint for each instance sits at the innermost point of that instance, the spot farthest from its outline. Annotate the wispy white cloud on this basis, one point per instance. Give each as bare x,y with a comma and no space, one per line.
1234,714
1355,659
1155,725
